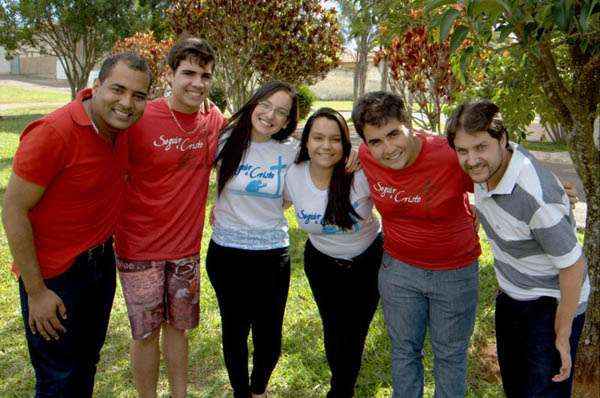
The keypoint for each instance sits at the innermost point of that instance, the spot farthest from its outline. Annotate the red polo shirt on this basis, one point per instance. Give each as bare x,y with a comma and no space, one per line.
83,177
424,207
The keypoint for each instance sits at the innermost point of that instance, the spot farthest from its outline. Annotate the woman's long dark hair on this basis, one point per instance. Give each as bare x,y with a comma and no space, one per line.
240,127
339,210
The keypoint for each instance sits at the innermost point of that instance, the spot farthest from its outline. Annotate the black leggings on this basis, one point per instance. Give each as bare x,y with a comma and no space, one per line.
347,296
252,288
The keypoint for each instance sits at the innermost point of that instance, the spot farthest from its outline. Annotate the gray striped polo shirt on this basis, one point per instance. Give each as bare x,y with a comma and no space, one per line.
531,228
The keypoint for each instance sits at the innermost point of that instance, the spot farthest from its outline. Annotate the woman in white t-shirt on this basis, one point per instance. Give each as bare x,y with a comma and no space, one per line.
247,260
344,247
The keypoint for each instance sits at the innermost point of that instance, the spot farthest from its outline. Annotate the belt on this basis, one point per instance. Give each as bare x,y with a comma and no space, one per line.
347,264
98,250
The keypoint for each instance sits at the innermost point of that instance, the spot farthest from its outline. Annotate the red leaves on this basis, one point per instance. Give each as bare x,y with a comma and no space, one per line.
295,41
154,52
423,64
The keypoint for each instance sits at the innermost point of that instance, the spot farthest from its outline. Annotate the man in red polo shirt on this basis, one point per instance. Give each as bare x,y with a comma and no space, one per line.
428,278
60,210
171,151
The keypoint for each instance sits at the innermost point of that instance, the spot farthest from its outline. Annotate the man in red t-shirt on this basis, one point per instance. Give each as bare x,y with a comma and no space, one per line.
428,277
158,236
60,210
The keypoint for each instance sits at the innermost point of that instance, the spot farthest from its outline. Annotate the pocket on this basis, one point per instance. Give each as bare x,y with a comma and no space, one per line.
386,262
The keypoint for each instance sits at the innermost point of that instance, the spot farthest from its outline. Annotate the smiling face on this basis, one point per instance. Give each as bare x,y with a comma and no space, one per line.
325,143
119,100
391,144
482,157
190,85
270,115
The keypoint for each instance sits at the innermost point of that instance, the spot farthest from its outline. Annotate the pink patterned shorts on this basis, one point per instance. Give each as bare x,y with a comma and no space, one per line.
160,291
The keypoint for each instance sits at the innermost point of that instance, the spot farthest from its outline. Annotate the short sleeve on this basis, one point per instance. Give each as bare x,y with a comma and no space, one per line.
41,154
552,228
360,185
286,191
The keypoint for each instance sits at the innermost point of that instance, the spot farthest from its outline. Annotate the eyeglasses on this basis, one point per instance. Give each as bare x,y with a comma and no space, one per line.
281,113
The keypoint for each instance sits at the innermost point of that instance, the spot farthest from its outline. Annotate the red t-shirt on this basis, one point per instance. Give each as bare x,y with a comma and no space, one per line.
424,207
83,177
169,170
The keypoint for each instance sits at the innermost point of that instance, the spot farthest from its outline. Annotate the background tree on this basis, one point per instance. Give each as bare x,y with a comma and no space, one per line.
361,20
422,65
257,40
561,42
155,52
510,83
78,32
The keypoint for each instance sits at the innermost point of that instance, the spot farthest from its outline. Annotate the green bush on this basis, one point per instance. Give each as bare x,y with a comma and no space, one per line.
305,100
217,95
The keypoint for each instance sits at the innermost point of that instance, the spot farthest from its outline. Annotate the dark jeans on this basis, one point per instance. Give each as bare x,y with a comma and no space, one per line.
347,296
252,289
66,367
526,351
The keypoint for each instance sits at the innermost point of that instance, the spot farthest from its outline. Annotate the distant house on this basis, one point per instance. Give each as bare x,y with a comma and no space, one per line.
339,83
4,63
31,62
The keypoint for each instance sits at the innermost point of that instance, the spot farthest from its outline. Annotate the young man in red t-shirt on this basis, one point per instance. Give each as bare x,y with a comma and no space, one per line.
158,236
428,277
60,210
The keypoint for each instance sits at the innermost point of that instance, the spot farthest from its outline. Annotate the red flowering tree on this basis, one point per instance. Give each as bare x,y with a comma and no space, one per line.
155,52
258,40
421,65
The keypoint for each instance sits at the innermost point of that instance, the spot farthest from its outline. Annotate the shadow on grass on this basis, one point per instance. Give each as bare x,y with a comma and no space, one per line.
15,124
5,162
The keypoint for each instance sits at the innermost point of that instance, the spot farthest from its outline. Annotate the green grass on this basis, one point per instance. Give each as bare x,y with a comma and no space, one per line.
340,106
545,146
15,94
302,370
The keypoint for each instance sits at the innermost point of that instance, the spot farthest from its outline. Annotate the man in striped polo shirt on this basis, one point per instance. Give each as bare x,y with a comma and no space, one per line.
539,264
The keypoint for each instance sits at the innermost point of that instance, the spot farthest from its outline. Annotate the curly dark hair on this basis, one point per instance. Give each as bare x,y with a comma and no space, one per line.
376,109
192,49
474,117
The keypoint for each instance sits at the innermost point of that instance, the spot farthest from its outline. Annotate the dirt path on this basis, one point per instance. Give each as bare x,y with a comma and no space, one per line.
34,82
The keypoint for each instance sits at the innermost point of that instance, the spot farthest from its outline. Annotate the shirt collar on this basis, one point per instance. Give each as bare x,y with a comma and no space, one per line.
76,108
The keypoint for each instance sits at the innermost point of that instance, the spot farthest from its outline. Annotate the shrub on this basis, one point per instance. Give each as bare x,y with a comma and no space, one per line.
218,96
305,100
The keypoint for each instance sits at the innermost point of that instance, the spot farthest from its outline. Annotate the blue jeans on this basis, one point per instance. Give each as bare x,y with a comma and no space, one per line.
446,301
66,367
526,353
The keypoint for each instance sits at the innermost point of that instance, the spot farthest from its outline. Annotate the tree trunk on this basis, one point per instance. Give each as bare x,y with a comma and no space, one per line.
384,74
361,67
587,163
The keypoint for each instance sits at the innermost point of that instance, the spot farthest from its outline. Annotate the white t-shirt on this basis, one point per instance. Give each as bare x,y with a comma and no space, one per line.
248,214
310,204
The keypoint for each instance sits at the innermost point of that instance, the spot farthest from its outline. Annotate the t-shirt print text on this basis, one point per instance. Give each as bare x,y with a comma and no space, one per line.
394,194
263,181
178,143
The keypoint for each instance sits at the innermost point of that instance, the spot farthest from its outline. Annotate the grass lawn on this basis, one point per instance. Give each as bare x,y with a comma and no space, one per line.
546,146
302,370
14,94
340,106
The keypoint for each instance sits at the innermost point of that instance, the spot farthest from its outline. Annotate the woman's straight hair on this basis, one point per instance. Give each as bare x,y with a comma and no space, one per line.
339,210
240,128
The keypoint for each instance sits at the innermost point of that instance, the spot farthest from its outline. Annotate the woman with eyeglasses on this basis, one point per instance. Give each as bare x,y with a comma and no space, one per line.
344,247
247,260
